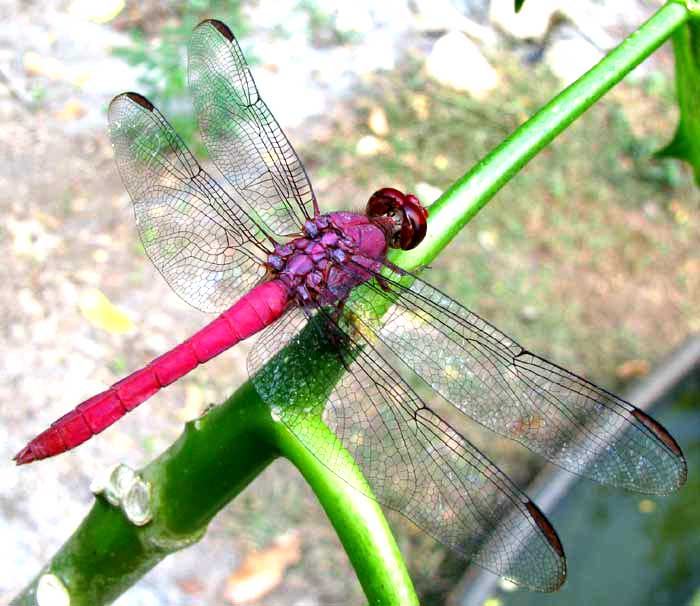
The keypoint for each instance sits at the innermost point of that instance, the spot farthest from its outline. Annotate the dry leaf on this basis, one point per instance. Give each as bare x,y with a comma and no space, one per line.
191,586
262,571
98,12
632,369
102,313
370,146
38,65
378,122
194,403
71,110
421,105
441,162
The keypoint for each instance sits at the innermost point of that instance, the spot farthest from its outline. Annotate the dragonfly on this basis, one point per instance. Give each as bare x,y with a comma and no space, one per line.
261,254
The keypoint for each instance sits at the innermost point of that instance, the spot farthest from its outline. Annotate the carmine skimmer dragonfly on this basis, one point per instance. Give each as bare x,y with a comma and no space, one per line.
266,258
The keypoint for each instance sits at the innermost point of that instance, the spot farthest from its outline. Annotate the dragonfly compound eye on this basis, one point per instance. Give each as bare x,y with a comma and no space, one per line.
414,224
403,216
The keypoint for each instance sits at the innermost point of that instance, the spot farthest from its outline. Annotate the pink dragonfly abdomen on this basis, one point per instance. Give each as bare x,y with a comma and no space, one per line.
253,312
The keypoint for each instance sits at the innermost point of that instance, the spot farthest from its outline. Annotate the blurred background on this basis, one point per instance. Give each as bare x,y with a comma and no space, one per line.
589,256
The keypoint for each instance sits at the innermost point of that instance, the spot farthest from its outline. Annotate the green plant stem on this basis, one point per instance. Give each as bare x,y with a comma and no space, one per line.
217,456
357,519
468,195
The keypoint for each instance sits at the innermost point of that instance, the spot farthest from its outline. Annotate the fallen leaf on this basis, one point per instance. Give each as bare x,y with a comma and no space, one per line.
194,403
102,313
632,369
378,122
38,65
98,12
71,110
421,105
441,162
191,586
370,146
262,571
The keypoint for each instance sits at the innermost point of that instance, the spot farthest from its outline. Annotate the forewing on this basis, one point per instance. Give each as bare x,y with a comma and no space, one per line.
413,461
241,134
520,395
207,248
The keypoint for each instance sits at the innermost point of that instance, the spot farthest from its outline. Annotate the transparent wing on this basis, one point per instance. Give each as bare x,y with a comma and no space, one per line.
413,461
241,134
207,248
488,376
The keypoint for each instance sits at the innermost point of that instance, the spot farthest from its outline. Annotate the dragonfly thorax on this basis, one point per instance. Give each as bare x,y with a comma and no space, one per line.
336,252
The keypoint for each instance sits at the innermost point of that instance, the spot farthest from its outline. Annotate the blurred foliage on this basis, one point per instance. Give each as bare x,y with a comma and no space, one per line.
162,59
323,27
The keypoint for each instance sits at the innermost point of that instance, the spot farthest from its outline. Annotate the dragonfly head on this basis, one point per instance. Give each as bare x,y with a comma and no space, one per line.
402,216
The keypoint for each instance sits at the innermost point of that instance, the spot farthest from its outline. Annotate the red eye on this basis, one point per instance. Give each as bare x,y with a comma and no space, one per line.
384,201
413,215
415,225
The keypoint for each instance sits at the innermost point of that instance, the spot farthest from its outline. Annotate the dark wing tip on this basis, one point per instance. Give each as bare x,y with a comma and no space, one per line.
658,430
552,538
666,438
141,100
220,26
136,98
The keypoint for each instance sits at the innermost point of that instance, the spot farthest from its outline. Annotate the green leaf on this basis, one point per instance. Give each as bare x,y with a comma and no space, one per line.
519,5
686,142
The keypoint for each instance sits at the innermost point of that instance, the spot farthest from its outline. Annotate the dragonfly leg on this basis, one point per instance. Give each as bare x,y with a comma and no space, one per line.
383,284
338,311
402,272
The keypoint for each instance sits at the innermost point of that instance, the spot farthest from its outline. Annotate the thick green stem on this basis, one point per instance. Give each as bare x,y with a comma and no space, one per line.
218,455
357,519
